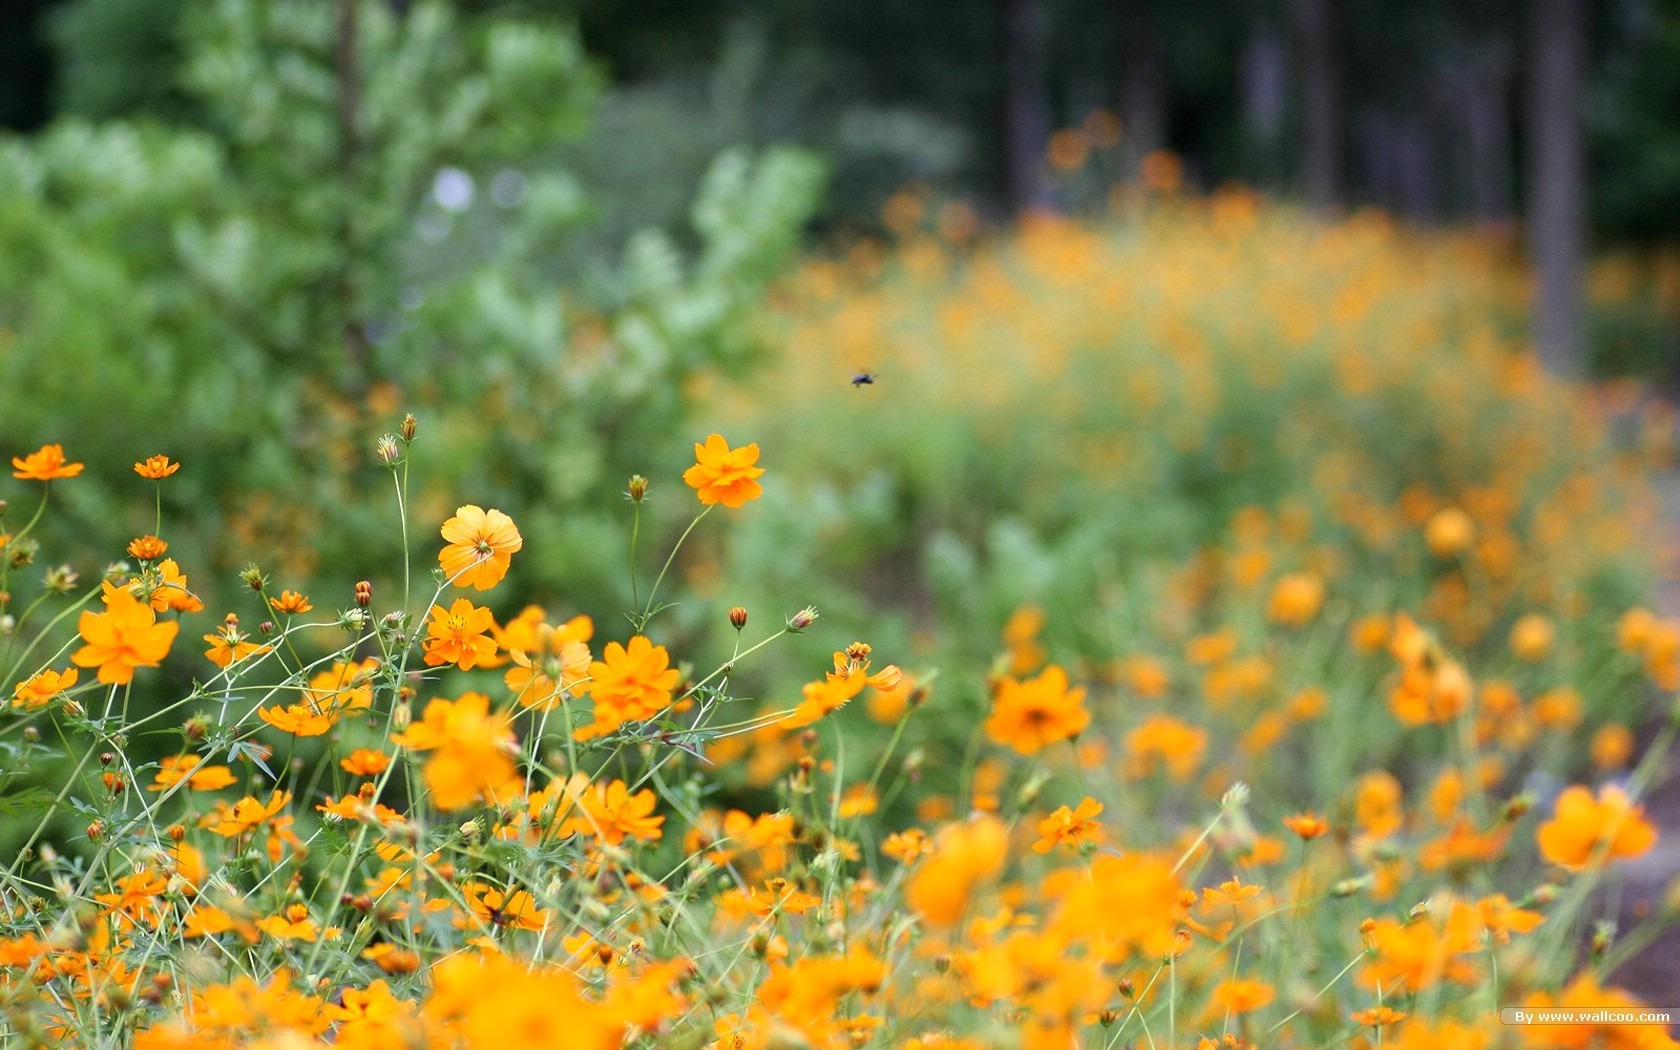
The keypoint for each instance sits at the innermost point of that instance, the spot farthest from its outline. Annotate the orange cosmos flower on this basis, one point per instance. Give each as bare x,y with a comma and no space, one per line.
1419,954
290,602
1296,599
459,636
125,636
364,762
147,548
1073,828
610,814
629,683
1030,715
965,857
297,719
1377,1017
233,820
1241,996
36,690
1532,637
164,588
472,752
230,645
1163,741
551,664
1586,832
1448,532
724,475
1308,826
156,467
481,546
199,777
44,464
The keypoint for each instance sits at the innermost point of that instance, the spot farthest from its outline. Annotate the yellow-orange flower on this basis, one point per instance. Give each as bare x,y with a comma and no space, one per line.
229,645
1449,531
123,637
44,464
364,762
1587,832
290,602
1163,741
629,684
1242,996
551,664
965,857
1296,599
724,475
156,467
1028,716
199,777
481,546
147,548
460,635
472,752
1074,828
1532,637
1306,825
297,719
40,687
610,814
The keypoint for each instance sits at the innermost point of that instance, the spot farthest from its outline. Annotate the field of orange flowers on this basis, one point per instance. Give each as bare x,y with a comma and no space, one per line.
1207,629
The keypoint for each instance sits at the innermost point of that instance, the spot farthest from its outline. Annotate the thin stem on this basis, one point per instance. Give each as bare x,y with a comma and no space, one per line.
647,611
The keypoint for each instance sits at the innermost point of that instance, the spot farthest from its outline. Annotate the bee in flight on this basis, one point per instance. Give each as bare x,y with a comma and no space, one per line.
863,379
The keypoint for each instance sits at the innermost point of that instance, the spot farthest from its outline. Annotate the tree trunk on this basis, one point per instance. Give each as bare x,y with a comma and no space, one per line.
1487,134
1557,182
1143,91
1265,88
1321,104
1026,117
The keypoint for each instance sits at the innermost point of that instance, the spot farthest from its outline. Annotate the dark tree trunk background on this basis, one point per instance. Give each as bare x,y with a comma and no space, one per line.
1321,103
1557,181
1026,116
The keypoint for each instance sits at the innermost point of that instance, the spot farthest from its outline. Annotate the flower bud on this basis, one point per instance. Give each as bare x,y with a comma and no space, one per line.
637,489
738,617
409,426
364,593
802,619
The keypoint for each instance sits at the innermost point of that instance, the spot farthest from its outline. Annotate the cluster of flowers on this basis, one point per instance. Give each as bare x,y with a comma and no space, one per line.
496,870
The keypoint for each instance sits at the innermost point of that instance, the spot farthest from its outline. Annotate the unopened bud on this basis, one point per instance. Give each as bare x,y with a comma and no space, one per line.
364,593
802,619
409,426
1518,807
738,617
177,832
196,728
95,830
637,489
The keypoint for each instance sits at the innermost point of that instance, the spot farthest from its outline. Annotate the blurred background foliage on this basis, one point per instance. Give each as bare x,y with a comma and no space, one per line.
251,234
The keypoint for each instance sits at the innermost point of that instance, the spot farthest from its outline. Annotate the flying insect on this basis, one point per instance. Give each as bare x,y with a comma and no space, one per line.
863,379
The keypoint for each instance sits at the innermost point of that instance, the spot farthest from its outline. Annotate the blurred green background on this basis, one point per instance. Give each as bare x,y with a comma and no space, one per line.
251,234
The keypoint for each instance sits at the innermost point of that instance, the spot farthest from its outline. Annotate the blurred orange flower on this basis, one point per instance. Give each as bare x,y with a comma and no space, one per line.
1030,715
44,464
1586,832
